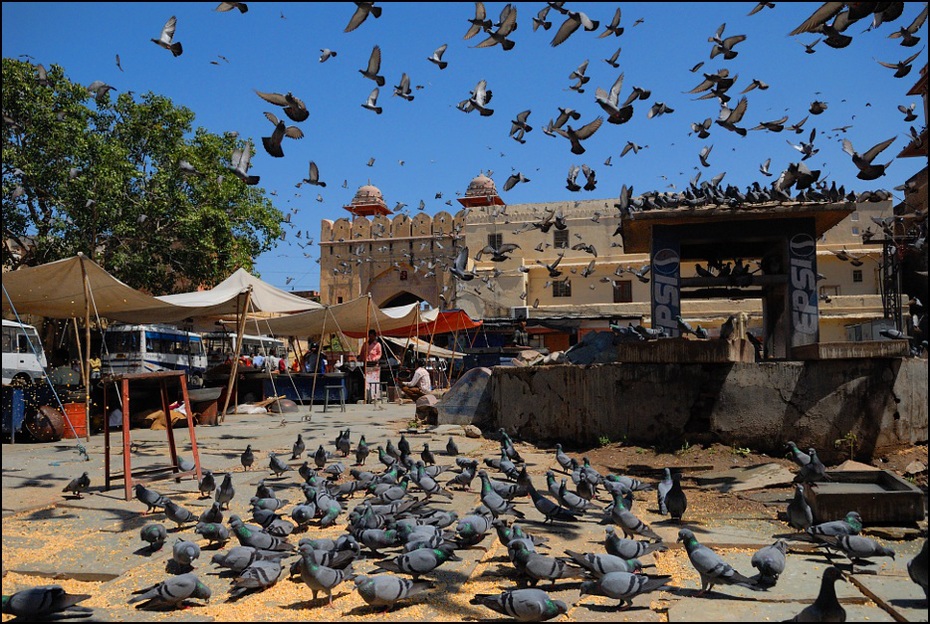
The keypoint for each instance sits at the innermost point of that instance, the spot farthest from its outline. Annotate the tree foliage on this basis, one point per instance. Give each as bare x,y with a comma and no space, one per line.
102,175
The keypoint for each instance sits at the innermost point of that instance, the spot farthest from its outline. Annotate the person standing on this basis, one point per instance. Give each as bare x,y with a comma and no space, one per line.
370,356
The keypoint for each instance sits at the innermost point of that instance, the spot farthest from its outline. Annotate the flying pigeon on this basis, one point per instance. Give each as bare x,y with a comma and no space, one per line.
576,136
436,57
613,28
242,7
506,25
479,22
540,19
372,102
574,20
906,33
374,66
293,106
868,171
326,54
167,36
902,68
272,144
362,10
240,167
45,604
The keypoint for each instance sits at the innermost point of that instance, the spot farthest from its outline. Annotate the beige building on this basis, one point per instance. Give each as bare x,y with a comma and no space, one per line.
565,278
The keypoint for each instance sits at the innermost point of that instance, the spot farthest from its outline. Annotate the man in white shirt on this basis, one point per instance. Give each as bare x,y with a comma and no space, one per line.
419,383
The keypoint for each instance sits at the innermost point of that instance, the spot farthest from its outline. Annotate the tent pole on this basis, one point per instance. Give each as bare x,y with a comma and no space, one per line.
85,366
234,369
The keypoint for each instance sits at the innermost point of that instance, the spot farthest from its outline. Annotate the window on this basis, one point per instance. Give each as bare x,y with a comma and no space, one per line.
560,239
495,240
855,231
623,291
854,216
857,275
562,288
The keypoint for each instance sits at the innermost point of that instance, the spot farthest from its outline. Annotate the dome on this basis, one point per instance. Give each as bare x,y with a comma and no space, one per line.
481,185
368,193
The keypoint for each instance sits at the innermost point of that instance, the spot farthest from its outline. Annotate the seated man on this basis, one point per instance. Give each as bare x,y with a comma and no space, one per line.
419,383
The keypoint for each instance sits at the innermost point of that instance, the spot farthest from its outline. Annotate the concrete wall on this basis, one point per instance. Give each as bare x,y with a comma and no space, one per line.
883,401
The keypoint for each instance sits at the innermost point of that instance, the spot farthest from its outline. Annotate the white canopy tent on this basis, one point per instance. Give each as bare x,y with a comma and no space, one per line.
356,316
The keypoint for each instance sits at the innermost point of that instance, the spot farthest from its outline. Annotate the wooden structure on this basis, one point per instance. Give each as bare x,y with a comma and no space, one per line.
162,378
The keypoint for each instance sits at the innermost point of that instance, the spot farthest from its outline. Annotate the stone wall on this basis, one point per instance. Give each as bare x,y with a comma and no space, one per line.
882,401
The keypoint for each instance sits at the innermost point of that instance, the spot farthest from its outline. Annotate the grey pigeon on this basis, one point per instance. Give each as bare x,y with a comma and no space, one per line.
155,534
627,548
464,478
44,604
374,66
166,39
213,531
225,492
856,547
177,514
259,575
851,524
419,561
549,509
238,558
628,522
153,499
452,448
537,567
170,593
826,608
675,501
78,485
247,458
241,157
185,465
257,539
293,106
362,451
207,484
299,446
813,471
710,566
917,568
600,564
797,455
662,491
384,590
494,501
319,457
436,56
272,144
770,562
624,586
800,514
185,552
562,459
278,467
524,605
362,10
323,578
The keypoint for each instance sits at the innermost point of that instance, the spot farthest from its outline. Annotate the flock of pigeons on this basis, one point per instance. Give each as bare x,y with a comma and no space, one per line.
399,527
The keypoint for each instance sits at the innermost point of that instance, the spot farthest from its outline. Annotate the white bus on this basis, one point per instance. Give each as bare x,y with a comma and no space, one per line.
151,348
24,360
220,346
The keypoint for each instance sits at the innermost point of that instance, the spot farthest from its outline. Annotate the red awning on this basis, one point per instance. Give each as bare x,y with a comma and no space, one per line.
433,323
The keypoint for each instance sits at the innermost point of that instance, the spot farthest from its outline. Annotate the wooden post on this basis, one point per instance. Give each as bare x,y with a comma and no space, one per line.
85,366
234,368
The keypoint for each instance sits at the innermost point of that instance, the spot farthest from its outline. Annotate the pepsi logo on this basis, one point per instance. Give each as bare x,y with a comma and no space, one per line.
666,261
803,246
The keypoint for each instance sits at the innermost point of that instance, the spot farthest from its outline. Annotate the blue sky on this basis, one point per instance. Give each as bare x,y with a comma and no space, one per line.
427,146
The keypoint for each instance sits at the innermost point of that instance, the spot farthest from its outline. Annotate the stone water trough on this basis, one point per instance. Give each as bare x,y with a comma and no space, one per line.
880,497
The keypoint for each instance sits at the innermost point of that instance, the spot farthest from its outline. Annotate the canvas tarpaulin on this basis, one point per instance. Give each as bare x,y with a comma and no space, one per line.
424,347
434,322
353,319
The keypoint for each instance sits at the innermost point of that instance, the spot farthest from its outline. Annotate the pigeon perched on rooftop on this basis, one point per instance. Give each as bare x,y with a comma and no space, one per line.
711,567
826,608
624,586
78,485
45,604
524,605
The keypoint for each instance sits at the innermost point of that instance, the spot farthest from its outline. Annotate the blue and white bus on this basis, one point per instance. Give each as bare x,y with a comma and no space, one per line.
151,348
220,346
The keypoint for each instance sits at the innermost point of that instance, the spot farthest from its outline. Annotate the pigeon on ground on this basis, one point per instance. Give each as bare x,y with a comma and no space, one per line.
770,562
662,491
171,593
207,484
494,501
320,577
186,465
166,39
256,539
361,452
627,548
418,562
826,608
183,553
78,485
153,499
464,478
851,524
278,467
624,586
225,492
452,449
675,501
247,458
813,471
600,564
259,575
215,532
44,604
155,534
562,458
537,567
384,590
856,547
711,567
524,605
238,558
917,568
177,514
298,448
549,509
800,514
797,455
628,522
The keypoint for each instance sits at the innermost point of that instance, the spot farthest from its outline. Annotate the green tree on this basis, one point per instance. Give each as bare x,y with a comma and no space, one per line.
88,172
